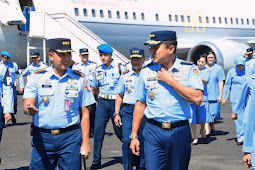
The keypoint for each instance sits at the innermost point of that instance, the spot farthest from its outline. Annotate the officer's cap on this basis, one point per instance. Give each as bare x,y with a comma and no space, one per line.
105,48
239,61
135,52
249,50
6,54
158,37
60,45
34,54
84,51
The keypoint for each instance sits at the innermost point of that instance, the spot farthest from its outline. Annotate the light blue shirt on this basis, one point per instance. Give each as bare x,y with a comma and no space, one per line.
234,82
88,69
6,90
32,67
249,137
166,104
244,99
205,74
128,66
14,69
250,62
108,77
216,75
127,85
66,95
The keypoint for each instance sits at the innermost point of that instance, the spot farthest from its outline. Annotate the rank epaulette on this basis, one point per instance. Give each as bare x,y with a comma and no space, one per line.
125,72
93,62
79,73
43,70
126,63
187,63
98,66
76,63
146,65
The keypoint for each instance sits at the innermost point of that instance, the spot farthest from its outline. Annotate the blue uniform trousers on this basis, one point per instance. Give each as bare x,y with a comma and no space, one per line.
15,99
213,111
167,149
239,125
92,118
50,151
128,157
104,112
2,121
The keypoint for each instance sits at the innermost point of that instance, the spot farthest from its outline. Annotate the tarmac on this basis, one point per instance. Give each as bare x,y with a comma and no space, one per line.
218,153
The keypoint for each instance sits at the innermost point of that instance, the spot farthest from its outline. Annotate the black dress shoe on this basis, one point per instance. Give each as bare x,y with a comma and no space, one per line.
14,121
239,143
208,135
212,133
95,166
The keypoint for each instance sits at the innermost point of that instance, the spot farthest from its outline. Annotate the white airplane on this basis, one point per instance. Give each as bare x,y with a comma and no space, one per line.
226,27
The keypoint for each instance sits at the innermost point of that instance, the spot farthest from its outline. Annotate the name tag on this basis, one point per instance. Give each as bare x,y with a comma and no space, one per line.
71,91
180,75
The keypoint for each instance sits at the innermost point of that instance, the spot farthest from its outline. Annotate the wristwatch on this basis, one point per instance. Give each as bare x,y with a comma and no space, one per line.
132,137
114,114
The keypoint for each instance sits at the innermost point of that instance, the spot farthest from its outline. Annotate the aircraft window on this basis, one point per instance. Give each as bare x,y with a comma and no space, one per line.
200,19
134,15
110,14
126,15
226,20
157,18
76,11
182,18
220,20
214,20
188,18
242,21
93,12
176,18
248,22
237,21
207,19
118,14
143,17
101,13
253,21
170,18
231,20
85,13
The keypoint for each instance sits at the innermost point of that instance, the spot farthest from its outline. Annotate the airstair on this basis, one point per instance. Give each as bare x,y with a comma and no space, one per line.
47,26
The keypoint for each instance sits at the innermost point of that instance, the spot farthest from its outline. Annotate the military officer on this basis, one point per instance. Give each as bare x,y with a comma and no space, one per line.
35,65
59,97
164,90
124,116
13,69
88,68
249,58
107,78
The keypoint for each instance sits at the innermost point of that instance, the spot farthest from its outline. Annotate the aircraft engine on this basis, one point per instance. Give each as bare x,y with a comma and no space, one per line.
225,51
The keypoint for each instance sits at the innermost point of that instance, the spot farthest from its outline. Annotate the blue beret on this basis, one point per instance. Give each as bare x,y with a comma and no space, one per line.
135,52
105,48
35,54
60,45
239,61
84,51
6,53
158,37
250,50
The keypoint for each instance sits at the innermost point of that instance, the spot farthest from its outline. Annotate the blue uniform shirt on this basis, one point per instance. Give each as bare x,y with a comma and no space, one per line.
108,78
127,85
14,69
244,99
216,75
65,96
166,104
6,90
234,82
88,69
32,67
205,74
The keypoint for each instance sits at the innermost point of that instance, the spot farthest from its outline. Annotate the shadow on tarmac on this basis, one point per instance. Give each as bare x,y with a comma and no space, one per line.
115,160
17,124
20,168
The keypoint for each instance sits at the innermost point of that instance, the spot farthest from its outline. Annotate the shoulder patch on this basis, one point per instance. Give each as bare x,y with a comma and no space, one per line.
93,62
79,73
125,72
76,63
43,70
187,63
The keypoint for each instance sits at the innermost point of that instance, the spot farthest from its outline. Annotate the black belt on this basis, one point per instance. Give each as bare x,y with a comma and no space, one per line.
168,125
128,105
58,131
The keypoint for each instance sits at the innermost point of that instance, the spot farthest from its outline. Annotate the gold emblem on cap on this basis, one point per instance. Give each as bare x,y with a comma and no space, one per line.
66,43
45,99
152,94
152,35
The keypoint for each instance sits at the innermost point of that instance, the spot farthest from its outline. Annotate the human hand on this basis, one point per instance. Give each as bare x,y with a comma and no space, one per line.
247,160
7,117
135,146
117,120
32,110
21,90
85,151
223,102
219,99
234,116
165,76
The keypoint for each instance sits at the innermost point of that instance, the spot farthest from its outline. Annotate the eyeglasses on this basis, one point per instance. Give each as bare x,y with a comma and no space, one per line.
6,57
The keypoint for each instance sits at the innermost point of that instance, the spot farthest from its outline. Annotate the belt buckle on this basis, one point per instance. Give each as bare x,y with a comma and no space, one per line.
166,125
106,96
110,96
55,131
